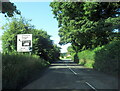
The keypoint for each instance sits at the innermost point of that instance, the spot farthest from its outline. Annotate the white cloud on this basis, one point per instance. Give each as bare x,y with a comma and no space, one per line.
64,48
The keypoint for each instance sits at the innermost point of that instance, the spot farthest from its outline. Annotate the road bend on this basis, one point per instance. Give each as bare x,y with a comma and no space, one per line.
66,74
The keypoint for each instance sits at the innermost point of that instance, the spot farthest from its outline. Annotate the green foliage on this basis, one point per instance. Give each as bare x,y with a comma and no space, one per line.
9,9
55,53
87,57
68,57
76,59
72,56
87,54
86,25
101,10
73,51
107,59
42,45
70,50
63,55
14,27
18,69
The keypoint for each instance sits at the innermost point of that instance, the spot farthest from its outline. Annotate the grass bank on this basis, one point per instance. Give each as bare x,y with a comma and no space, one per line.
18,69
105,58
87,57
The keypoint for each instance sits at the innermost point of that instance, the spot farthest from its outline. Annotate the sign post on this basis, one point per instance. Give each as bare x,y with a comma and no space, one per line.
24,43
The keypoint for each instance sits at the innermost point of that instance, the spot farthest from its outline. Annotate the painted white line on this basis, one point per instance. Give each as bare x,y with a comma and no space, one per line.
73,71
90,86
85,82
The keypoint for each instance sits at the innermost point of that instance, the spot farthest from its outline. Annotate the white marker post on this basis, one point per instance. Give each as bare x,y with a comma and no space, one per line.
24,43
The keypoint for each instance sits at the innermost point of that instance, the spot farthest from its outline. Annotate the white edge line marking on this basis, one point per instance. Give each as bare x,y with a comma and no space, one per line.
90,86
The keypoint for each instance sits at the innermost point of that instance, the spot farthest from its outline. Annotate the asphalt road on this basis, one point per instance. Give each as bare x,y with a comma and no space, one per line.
66,74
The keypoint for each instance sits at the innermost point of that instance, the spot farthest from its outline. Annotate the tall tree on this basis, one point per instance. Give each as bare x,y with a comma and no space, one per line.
79,23
85,24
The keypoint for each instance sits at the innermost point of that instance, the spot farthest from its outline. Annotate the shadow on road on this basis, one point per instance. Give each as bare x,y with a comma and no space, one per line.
60,75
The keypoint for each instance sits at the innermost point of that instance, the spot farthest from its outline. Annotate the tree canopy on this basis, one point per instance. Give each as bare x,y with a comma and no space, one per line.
9,9
86,24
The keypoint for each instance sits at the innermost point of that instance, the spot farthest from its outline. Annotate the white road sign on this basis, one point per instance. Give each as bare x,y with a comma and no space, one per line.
24,42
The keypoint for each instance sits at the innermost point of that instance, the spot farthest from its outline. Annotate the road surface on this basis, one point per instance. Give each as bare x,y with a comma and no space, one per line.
66,74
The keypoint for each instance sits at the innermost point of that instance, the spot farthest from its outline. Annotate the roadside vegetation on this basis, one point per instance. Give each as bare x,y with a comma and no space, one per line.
103,58
42,44
93,29
65,55
107,58
19,68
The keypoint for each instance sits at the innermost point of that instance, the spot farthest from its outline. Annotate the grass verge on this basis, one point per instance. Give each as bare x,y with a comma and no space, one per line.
18,69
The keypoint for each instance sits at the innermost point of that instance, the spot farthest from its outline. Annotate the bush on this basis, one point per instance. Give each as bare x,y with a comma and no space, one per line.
87,57
105,58
108,57
17,69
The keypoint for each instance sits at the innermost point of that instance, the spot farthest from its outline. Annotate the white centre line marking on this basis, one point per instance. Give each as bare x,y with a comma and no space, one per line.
85,82
71,69
90,86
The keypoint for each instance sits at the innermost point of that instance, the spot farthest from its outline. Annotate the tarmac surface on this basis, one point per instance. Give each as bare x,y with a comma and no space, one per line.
66,74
